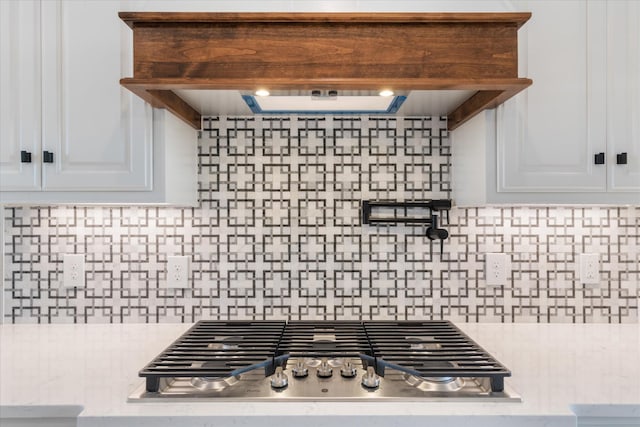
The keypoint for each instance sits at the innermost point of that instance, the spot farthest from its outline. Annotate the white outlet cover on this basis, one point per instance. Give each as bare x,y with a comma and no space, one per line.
590,269
177,272
72,271
496,269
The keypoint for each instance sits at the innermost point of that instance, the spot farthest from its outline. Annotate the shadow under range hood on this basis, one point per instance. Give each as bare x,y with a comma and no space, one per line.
453,64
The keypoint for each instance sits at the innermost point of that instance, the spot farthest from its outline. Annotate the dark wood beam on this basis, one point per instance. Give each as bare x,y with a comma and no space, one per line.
177,106
471,107
165,98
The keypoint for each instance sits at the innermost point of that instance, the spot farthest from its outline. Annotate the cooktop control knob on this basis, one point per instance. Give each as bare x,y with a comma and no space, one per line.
279,379
324,370
348,370
371,379
300,370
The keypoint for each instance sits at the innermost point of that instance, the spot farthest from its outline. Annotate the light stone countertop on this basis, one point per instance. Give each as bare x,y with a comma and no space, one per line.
559,370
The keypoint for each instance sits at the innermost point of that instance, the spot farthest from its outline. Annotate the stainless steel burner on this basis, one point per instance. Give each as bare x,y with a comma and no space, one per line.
224,344
435,383
212,379
423,343
214,384
324,338
314,363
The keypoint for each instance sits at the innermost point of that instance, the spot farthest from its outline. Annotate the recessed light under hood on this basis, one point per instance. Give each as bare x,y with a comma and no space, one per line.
473,54
324,102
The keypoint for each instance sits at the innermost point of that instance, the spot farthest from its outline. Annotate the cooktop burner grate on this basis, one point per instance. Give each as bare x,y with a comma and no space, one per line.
325,339
217,349
423,349
433,349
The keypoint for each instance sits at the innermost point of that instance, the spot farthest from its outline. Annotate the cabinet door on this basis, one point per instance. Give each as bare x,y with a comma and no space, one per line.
623,94
547,136
98,132
19,94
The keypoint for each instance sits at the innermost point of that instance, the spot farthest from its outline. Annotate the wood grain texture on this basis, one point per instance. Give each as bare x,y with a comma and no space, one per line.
177,106
472,106
280,51
164,97
326,50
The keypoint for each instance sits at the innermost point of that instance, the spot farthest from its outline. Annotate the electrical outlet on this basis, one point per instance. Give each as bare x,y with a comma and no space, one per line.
72,271
178,272
590,269
496,269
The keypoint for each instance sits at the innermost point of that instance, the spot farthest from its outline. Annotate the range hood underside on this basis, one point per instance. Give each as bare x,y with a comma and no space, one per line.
471,57
230,102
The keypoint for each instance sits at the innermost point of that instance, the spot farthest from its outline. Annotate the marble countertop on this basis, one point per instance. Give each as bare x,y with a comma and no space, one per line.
89,370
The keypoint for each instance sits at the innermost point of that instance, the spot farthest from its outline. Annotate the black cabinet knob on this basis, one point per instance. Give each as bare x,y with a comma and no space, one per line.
621,159
599,159
47,156
25,156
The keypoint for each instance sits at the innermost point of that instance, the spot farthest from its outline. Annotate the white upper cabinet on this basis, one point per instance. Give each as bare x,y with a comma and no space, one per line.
548,137
559,140
623,96
90,139
20,126
98,132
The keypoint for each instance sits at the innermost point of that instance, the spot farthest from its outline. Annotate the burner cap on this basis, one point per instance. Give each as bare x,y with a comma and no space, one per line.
217,384
434,383
423,343
224,343
324,338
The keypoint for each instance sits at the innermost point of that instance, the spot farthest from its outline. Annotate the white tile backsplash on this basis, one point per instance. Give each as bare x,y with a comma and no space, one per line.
278,235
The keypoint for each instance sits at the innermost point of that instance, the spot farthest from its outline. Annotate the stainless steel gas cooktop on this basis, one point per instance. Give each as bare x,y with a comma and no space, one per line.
324,360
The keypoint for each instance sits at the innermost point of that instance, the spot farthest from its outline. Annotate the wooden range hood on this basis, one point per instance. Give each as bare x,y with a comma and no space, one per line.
341,51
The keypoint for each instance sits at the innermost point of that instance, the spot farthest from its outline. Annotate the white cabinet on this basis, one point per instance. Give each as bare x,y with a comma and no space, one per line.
547,138
99,132
623,95
107,144
20,124
540,147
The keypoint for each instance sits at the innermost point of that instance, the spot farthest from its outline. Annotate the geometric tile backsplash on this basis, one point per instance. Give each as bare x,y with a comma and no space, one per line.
278,235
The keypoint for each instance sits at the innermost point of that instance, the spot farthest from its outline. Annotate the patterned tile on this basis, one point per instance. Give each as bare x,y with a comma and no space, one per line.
278,235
